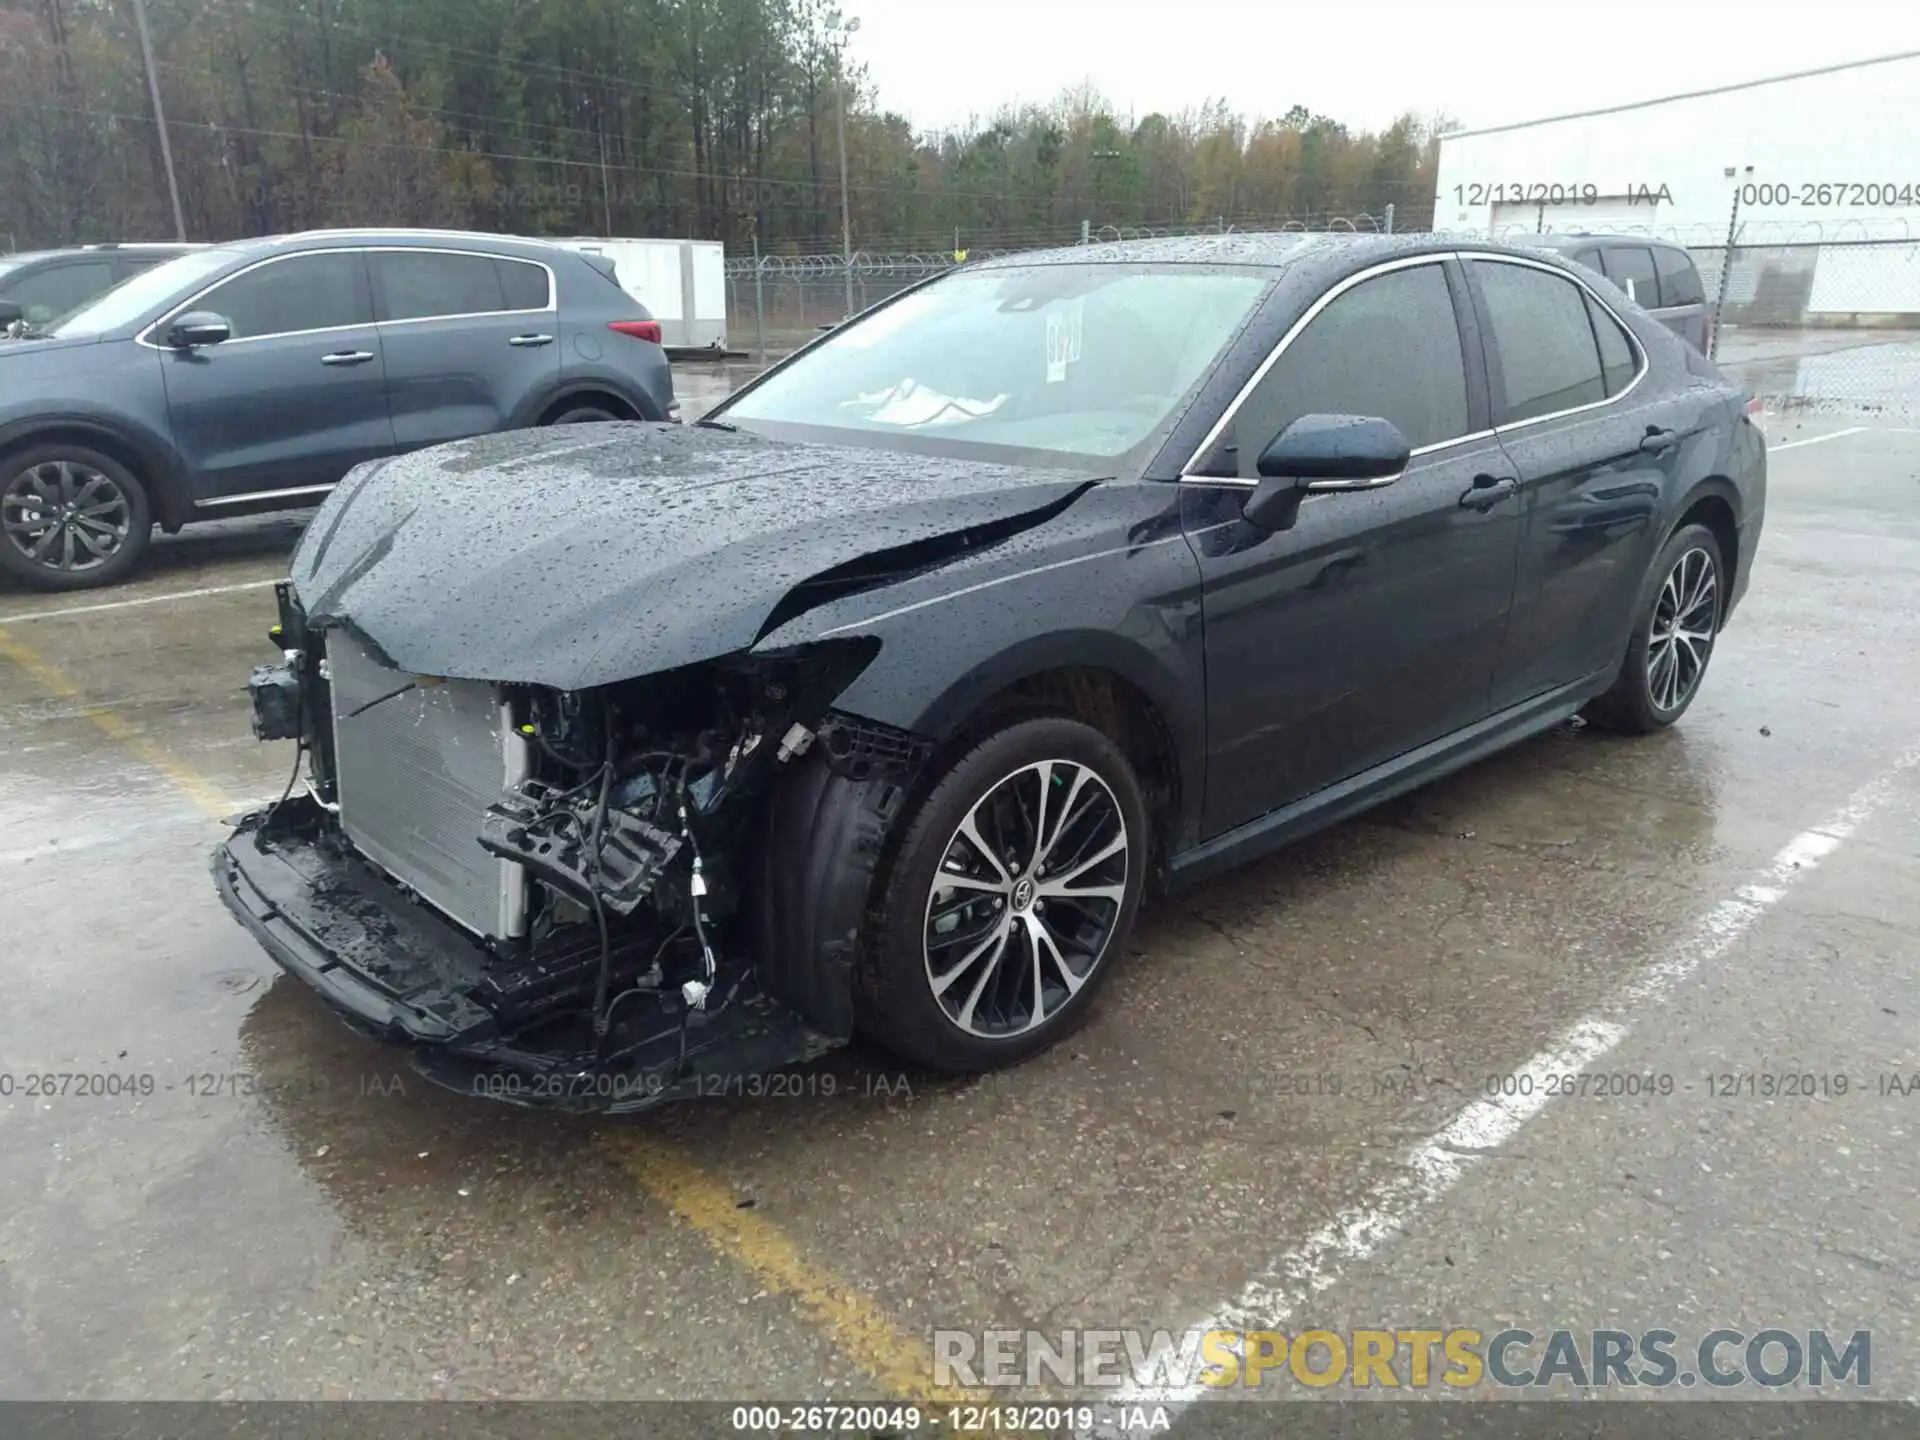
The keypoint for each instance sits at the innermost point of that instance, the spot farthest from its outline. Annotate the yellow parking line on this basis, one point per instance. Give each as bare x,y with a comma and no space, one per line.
856,1323
205,796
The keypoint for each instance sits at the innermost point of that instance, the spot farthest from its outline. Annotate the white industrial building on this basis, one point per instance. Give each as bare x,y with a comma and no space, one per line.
1806,165
683,284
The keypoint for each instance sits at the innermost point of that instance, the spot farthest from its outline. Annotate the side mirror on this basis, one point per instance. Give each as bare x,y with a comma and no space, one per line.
197,328
1323,452
10,314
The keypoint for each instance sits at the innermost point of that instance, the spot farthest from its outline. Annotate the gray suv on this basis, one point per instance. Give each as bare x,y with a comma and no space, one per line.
45,284
1657,276
253,376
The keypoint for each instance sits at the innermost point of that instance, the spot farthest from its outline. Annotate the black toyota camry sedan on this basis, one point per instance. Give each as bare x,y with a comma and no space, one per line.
632,755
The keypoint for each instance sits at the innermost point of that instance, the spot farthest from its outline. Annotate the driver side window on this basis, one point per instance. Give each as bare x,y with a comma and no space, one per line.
325,290
1389,347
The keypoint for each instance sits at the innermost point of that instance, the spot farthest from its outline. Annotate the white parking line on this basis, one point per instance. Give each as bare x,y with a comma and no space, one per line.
1816,439
61,614
1431,1169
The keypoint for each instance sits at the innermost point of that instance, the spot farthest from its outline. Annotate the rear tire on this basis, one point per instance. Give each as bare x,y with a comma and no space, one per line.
585,415
1675,627
71,518
1008,899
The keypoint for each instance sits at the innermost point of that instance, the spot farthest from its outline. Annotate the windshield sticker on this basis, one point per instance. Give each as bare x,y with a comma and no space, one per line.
1063,338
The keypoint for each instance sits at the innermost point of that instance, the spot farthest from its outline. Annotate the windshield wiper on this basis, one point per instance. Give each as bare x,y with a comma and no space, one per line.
717,425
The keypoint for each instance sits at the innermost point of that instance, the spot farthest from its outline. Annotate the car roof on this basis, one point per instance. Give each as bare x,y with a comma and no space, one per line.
168,246
1264,250
426,239
1574,239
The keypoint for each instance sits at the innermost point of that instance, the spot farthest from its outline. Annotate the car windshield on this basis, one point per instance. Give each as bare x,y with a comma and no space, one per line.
134,297
1072,363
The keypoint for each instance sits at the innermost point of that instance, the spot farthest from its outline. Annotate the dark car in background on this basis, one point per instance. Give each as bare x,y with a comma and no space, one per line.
878,697
254,375
1658,276
43,285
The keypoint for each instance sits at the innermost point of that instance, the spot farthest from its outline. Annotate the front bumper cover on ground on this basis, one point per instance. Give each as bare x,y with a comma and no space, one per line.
396,971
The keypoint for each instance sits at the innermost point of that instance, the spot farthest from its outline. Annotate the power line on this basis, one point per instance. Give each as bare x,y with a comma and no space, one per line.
515,66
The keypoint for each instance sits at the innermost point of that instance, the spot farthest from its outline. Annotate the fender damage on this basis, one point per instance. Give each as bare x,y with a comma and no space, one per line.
681,827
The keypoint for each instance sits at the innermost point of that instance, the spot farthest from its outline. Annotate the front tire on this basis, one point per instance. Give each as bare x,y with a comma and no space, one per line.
71,518
1673,637
585,415
1009,897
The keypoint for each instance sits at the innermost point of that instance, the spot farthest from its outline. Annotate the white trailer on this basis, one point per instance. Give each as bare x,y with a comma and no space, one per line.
683,284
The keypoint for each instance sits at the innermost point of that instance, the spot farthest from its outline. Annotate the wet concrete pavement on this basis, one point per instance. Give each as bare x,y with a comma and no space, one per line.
1870,370
250,1201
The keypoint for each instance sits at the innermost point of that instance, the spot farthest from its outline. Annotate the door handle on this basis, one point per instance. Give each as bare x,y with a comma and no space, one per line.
347,357
524,340
1656,439
1488,491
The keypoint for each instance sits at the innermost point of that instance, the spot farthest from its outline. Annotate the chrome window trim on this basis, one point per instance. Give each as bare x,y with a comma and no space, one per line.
550,308
1339,288
1187,475
145,336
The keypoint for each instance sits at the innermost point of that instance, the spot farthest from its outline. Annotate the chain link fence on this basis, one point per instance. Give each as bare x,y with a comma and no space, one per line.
1823,326
778,303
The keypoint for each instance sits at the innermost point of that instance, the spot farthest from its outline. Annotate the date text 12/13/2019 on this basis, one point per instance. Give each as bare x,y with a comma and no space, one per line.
1550,192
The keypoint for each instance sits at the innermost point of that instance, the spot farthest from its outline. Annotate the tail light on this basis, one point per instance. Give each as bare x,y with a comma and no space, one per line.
648,330
1753,405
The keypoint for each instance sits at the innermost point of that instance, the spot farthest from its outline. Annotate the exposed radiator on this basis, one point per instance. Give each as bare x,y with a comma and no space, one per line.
416,774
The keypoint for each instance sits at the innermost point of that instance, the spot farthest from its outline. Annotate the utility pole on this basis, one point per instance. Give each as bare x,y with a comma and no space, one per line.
1100,157
606,188
1726,262
160,121
846,31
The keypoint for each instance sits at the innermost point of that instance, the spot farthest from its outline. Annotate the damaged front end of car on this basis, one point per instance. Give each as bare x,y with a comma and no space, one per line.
590,899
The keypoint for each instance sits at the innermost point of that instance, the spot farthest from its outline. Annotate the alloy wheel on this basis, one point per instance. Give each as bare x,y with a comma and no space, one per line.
1680,637
66,515
1024,904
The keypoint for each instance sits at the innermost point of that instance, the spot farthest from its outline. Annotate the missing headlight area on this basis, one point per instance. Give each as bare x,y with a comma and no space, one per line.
550,894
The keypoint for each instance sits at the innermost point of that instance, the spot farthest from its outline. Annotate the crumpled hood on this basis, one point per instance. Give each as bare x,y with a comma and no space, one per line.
587,554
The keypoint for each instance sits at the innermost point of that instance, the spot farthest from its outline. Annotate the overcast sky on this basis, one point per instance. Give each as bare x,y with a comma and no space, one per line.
1362,62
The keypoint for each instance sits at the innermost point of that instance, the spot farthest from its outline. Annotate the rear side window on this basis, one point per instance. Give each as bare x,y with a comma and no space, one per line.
303,292
1679,279
1618,360
1588,258
1388,347
1545,357
524,286
427,284
1631,268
